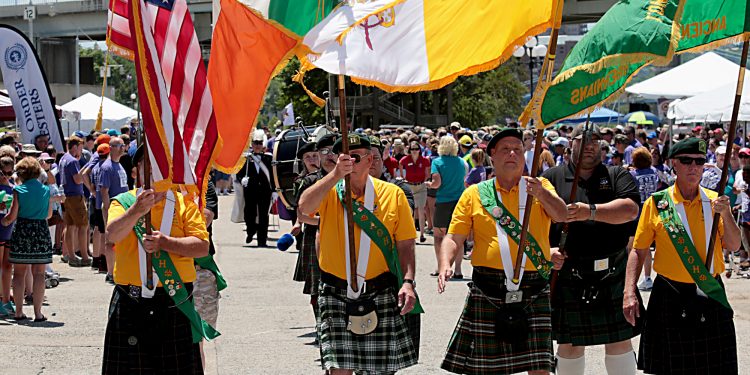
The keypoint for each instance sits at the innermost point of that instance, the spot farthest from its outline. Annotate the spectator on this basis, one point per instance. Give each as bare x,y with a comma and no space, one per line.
75,213
31,243
478,173
6,171
448,172
415,168
112,181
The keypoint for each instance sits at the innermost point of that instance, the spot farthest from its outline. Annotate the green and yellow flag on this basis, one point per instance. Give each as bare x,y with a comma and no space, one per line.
629,37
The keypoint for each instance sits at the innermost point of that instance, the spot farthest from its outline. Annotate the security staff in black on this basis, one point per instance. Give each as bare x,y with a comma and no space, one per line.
587,300
256,178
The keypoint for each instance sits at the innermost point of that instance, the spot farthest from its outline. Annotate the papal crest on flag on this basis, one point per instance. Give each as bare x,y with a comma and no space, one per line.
416,45
175,99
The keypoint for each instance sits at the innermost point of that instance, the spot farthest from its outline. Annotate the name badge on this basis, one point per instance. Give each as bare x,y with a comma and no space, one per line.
514,297
601,264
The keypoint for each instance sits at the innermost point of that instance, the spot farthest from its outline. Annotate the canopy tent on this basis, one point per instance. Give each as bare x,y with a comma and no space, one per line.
601,115
703,73
711,106
6,107
81,113
642,118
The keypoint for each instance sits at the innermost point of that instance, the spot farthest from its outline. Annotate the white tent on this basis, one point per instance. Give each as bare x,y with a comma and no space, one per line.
703,73
81,113
712,106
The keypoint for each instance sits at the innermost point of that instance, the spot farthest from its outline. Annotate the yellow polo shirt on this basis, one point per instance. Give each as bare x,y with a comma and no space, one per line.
390,206
470,214
188,221
666,260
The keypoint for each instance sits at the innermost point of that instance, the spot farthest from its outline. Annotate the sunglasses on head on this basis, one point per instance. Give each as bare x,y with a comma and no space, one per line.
686,160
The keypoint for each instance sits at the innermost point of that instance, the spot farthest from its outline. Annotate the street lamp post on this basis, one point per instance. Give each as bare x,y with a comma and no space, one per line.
133,97
536,53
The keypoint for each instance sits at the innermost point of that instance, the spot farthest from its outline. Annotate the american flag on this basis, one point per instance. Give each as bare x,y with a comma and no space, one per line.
118,29
175,99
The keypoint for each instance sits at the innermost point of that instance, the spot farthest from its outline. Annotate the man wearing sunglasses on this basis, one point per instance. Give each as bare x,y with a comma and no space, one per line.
256,177
591,282
364,330
688,311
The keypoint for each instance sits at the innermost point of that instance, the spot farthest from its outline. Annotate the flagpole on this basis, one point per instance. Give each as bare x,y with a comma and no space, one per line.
572,199
347,185
147,217
730,139
550,60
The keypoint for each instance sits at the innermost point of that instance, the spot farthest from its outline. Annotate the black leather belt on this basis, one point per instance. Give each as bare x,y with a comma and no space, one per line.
383,281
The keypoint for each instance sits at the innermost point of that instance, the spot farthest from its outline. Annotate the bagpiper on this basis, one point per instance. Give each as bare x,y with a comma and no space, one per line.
689,327
506,324
587,300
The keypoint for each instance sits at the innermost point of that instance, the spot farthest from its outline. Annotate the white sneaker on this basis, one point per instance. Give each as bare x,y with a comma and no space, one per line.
646,284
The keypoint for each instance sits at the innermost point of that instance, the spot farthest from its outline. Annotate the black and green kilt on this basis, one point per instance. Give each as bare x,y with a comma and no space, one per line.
475,347
589,311
308,269
148,336
685,333
389,348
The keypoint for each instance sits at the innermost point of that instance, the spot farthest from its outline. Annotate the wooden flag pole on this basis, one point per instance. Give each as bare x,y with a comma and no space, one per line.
147,217
344,125
550,65
572,199
730,139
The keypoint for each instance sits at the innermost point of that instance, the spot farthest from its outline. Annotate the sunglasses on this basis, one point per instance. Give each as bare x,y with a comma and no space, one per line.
743,156
257,142
414,149
686,160
357,158
325,151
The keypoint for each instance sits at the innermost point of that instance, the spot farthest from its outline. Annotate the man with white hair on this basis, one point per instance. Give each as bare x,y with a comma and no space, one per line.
256,178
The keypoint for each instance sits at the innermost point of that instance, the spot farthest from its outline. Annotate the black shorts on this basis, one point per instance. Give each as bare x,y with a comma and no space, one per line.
443,214
97,220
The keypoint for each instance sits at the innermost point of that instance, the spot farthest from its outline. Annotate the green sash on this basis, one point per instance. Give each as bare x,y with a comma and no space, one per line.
378,233
685,248
511,226
170,279
208,263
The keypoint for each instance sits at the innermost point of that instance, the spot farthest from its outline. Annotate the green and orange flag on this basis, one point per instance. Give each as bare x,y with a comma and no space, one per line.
252,41
630,36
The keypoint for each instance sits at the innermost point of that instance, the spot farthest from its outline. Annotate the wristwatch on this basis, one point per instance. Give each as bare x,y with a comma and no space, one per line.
592,207
412,282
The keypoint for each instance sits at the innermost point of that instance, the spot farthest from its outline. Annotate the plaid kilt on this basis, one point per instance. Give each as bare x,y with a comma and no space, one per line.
148,336
594,323
685,333
387,349
475,347
308,269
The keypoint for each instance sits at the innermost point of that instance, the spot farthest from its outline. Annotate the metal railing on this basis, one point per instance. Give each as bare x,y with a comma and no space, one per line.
396,111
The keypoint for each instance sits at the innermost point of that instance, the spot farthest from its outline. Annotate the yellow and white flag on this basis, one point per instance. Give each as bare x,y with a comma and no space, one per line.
416,45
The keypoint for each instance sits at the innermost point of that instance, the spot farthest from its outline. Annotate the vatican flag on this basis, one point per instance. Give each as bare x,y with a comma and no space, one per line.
417,45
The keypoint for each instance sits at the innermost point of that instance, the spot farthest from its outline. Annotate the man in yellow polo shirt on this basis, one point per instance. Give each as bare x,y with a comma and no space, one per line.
506,325
146,333
688,325
363,330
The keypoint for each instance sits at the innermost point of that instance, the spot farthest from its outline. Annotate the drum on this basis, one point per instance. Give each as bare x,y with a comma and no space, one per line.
285,164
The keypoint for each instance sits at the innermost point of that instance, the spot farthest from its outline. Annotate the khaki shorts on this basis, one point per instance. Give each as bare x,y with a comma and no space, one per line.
206,296
75,212
420,194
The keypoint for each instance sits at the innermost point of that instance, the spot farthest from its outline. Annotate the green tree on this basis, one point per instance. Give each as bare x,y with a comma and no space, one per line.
290,91
122,74
488,98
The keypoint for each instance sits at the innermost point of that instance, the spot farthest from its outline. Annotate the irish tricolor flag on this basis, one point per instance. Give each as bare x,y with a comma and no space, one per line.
252,41
415,45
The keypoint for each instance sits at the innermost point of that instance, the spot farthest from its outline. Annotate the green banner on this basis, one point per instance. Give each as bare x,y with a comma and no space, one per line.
710,24
299,16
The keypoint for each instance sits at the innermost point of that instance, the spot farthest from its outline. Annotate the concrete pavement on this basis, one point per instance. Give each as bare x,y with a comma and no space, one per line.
266,322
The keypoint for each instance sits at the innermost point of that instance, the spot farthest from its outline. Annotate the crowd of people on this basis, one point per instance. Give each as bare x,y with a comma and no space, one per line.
467,188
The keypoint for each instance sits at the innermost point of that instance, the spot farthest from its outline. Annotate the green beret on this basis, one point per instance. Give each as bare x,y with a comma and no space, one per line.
326,140
375,142
688,146
505,132
356,142
305,148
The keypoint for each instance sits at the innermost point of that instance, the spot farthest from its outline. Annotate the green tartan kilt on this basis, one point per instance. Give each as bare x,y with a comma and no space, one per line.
475,348
388,349
598,321
308,269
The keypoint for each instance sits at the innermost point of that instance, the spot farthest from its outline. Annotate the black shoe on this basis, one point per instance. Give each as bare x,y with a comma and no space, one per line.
421,239
95,263
248,239
109,279
262,244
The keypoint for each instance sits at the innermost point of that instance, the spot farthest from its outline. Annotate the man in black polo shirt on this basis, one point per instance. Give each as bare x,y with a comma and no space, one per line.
589,292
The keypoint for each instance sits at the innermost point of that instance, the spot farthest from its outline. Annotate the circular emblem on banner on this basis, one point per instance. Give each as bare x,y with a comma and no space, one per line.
15,56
